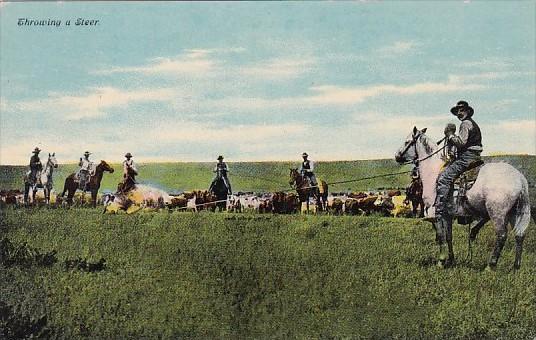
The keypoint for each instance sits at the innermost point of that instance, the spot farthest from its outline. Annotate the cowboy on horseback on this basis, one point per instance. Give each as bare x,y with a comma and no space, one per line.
306,169
221,171
84,174
468,147
129,173
35,166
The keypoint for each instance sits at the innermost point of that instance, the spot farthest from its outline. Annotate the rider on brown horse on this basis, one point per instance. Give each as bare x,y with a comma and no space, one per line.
129,173
306,169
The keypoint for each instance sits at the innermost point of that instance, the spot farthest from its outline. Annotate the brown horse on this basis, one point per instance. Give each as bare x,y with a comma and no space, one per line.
305,190
71,183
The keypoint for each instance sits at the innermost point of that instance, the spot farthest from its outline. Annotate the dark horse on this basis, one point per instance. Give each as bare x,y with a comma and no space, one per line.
305,190
71,183
220,190
414,195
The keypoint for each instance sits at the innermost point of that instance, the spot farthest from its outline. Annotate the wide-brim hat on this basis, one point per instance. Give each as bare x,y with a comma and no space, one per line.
87,153
128,154
462,105
36,150
304,154
220,157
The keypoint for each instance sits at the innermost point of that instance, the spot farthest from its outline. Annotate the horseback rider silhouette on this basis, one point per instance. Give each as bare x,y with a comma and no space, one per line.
35,166
221,171
129,173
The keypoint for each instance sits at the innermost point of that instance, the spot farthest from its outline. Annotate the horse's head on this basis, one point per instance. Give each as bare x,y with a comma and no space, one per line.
408,151
105,167
293,176
52,160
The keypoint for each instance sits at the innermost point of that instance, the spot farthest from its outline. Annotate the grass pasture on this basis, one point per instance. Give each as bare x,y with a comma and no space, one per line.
185,275
220,275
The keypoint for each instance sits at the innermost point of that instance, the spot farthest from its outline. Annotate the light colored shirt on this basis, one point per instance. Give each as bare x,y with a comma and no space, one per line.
129,164
85,164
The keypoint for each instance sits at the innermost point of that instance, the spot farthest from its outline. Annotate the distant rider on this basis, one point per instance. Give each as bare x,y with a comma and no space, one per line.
221,170
130,172
35,166
306,169
86,167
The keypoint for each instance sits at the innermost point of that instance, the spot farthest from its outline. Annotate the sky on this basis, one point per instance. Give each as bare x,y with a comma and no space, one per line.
188,81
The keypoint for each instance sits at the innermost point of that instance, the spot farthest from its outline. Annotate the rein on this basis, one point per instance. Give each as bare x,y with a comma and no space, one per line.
413,143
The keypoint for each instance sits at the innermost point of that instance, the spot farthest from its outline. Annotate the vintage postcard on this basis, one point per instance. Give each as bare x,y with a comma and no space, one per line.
310,170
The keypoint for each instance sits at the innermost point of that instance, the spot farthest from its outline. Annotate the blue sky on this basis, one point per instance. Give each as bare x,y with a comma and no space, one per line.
181,81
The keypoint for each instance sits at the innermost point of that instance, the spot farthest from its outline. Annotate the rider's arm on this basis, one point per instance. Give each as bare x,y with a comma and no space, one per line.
461,139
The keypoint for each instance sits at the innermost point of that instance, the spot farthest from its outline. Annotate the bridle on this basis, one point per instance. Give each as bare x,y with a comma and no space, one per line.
409,145
416,159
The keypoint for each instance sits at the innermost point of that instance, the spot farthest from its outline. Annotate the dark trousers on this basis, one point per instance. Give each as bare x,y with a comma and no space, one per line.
445,181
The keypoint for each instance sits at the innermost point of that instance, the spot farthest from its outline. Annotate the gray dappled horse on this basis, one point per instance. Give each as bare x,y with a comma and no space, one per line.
500,194
44,181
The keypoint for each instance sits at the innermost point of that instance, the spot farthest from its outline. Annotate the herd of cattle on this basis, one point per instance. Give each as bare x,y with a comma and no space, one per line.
387,202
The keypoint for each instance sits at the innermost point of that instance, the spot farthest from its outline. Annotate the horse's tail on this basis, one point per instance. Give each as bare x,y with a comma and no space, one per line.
522,210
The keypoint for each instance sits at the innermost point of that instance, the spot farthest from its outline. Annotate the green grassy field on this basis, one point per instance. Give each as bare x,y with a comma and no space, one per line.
182,275
209,275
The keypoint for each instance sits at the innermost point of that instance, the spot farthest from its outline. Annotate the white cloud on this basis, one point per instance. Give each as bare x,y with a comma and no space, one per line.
191,62
93,104
328,94
279,68
398,48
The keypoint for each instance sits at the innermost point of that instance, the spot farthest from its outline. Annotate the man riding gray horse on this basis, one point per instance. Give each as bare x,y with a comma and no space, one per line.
35,166
468,147
221,171
306,169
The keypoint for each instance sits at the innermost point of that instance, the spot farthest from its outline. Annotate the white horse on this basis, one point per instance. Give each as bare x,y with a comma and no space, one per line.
43,181
500,193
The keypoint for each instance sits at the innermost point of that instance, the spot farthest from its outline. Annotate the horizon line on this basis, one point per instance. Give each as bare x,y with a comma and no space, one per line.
492,154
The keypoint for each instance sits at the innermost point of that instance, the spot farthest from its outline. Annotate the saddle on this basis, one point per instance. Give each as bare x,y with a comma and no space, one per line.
461,186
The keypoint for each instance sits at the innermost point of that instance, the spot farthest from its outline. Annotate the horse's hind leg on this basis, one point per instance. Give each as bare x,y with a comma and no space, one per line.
519,251
501,232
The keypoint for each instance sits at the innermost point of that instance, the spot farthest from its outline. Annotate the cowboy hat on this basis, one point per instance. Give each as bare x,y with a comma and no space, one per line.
220,157
462,105
128,155
36,150
87,153
304,154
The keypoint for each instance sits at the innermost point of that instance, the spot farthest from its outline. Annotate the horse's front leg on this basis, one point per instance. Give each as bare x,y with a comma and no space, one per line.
451,259
94,199
441,239
473,232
